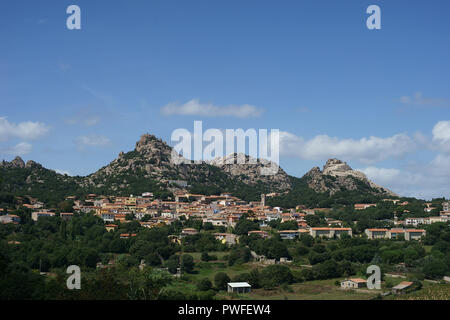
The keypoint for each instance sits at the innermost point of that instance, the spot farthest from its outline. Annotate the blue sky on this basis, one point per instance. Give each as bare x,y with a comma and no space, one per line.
378,99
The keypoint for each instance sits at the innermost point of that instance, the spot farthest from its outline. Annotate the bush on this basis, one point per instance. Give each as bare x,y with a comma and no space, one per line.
204,284
206,257
220,280
388,283
307,274
302,250
434,268
187,263
207,295
172,264
170,294
275,275
239,255
327,270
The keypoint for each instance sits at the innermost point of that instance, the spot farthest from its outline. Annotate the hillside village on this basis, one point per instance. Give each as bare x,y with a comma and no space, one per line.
225,211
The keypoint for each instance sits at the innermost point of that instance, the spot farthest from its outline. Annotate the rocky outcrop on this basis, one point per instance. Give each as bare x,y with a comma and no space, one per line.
252,171
153,158
16,163
151,162
338,175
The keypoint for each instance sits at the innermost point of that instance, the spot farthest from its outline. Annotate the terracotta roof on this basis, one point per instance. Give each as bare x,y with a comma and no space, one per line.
329,229
358,280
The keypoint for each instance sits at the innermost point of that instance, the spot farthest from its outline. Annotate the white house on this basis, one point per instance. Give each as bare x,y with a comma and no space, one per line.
354,283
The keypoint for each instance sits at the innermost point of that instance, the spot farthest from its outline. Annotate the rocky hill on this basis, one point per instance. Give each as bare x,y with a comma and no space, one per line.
336,184
148,168
151,160
251,171
338,175
31,178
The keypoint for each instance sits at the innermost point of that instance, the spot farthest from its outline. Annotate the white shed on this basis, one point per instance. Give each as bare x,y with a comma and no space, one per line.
239,287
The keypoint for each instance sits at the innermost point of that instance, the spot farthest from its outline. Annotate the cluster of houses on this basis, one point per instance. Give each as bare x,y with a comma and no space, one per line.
223,210
444,217
10,218
408,234
324,232
358,283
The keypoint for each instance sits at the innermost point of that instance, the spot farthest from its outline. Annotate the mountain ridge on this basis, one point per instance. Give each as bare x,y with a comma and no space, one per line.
148,167
343,176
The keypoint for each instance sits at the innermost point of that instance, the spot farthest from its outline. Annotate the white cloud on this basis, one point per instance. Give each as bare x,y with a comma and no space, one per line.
421,180
62,172
382,176
419,100
441,131
24,130
92,140
440,140
425,181
19,149
84,118
441,136
441,166
195,108
365,150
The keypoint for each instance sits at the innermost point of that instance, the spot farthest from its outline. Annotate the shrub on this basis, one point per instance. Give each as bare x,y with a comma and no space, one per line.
204,284
220,280
275,275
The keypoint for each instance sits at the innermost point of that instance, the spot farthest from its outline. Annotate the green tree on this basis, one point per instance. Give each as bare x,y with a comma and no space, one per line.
147,284
172,264
220,280
204,284
275,275
243,226
187,263
434,268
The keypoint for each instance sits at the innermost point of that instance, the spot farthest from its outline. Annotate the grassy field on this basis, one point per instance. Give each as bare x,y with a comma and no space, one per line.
210,269
218,254
429,291
311,290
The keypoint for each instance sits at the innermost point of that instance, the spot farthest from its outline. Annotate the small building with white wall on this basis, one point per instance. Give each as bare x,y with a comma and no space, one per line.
354,283
239,287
